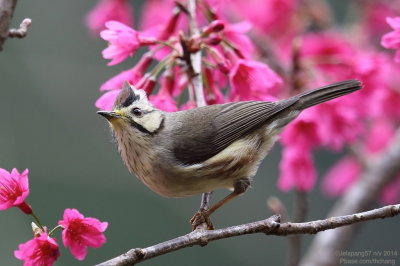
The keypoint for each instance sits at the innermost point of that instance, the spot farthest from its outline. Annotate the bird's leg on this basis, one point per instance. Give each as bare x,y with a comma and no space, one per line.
205,199
202,216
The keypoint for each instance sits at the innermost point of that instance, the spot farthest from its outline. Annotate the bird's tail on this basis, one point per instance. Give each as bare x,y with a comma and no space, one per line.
326,93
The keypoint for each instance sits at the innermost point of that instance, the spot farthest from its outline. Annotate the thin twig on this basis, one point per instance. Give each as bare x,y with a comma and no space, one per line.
22,30
197,82
361,196
276,207
6,12
270,226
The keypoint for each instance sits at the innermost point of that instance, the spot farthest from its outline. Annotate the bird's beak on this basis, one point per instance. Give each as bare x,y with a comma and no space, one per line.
109,115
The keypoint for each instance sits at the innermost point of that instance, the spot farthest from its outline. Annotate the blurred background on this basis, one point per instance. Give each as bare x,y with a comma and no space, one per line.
49,83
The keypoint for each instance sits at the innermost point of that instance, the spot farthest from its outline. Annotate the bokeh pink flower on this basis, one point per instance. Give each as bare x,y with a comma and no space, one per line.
252,80
81,232
391,40
303,131
132,75
106,101
164,100
338,124
106,10
391,192
338,179
297,169
237,34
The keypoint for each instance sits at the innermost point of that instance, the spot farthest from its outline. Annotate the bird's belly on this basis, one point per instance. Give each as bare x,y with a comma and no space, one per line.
239,160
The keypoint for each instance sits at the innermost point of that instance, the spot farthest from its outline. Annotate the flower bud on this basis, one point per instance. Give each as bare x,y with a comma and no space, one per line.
213,40
215,26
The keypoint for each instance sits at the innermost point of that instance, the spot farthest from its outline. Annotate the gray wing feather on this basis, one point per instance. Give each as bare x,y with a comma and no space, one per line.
208,130
219,126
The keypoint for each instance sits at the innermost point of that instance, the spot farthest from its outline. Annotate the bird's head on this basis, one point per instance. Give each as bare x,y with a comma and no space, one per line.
133,111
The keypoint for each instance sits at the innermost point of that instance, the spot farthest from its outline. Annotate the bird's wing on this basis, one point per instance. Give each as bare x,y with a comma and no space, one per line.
206,131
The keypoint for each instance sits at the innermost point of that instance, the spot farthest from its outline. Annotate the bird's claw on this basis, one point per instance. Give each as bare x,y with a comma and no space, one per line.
201,219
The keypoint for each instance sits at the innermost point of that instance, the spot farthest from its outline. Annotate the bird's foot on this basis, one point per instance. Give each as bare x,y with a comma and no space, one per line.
200,220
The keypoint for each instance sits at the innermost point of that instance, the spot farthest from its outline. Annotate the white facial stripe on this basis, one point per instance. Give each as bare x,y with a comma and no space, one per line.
151,121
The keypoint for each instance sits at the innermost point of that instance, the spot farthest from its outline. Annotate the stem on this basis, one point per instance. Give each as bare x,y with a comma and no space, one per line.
54,229
195,58
37,221
160,66
166,44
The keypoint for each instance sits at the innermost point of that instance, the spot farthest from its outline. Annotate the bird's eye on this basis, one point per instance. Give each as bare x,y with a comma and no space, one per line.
137,112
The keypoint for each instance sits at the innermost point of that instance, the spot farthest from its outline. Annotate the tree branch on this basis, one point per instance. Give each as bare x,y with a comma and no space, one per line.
270,226
22,30
7,8
6,13
361,196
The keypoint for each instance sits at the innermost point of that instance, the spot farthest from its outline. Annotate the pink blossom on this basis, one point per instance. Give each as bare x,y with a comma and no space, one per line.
236,33
42,250
188,105
391,40
132,75
391,192
214,26
303,131
106,101
387,102
274,17
341,176
154,13
252,80
81,232
379,136
147,83
330,52
212,93
296,169
163,100
116,82
181,81
163,32
372,69
105,10
14,188
339,123
374,17
123,41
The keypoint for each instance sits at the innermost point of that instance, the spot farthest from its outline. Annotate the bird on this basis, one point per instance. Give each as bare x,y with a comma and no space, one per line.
184,153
